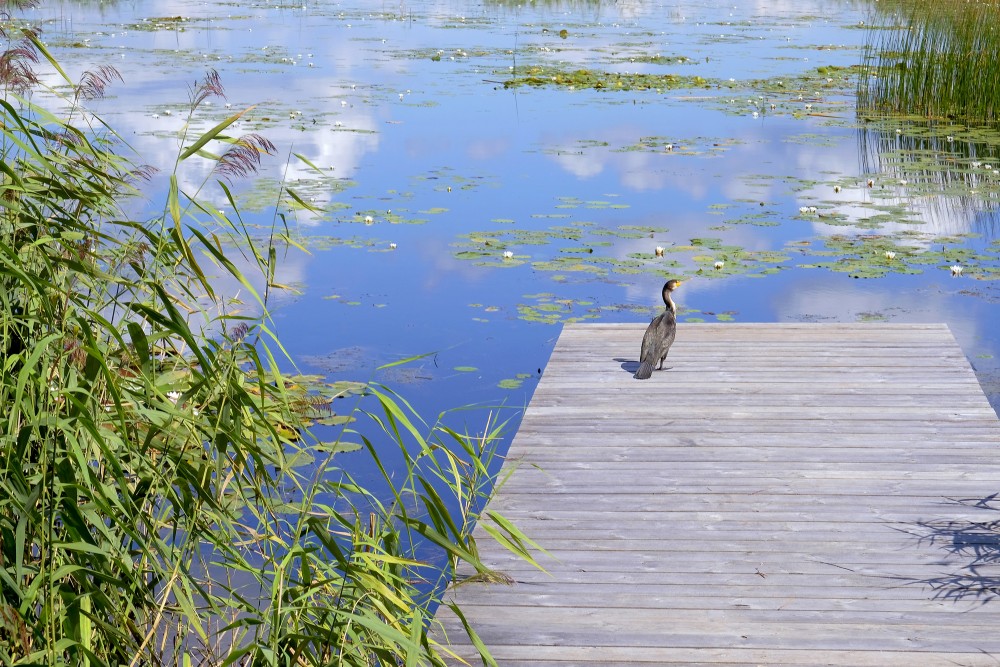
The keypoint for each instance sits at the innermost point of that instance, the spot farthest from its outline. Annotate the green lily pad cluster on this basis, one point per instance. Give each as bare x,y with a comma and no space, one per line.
585,249
157,23
824,92
321,242
543,75
681,146
592,204
482,310
876,256
693,315
514,382
314,193
823,80
709,257
549,308
587,255
449,53
314,397
651,59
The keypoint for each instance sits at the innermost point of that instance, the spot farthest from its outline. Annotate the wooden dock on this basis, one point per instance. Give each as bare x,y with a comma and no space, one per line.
781,494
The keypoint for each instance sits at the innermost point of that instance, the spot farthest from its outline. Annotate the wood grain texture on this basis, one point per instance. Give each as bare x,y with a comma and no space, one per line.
780,494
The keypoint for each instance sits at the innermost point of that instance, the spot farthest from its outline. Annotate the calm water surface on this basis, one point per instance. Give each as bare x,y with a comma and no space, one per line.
402,107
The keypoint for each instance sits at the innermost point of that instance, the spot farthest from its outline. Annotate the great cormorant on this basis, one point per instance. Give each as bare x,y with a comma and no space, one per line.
659,335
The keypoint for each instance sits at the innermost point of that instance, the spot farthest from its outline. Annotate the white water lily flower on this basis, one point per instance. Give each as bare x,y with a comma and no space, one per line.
659,251
719,265
803,209
369,220
812,209
956,270
836,188
508,254
392,246
889,254
871,182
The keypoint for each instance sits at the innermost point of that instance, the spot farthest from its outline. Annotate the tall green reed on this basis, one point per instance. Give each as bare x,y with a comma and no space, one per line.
164,497
934,59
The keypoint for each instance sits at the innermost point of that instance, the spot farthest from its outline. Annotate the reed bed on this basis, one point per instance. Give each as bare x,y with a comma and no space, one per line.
164,496
933,59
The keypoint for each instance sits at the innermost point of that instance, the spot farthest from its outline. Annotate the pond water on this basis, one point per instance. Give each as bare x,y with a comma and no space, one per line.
429,168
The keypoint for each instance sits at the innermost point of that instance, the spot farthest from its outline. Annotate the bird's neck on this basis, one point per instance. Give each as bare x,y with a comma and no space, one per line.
671,306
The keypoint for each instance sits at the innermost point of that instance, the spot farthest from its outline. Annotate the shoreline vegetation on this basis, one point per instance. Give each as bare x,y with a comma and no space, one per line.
166,497
937,60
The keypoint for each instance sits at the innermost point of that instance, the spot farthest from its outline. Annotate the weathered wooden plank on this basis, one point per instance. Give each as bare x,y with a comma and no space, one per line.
679,502
642,630
669,581
759,401
876,581
650,482
578,523
781,494
900,359
782,330
763,427
793,593
671,414
517,656
848,469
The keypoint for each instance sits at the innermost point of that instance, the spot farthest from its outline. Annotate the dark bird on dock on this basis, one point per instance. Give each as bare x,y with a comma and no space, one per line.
659,335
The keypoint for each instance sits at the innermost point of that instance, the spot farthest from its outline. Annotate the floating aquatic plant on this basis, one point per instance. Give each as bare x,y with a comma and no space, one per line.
515,382
548,308
541,75
878,255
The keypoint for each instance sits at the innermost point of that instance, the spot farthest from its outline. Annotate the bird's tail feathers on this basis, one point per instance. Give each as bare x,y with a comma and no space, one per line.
645,371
